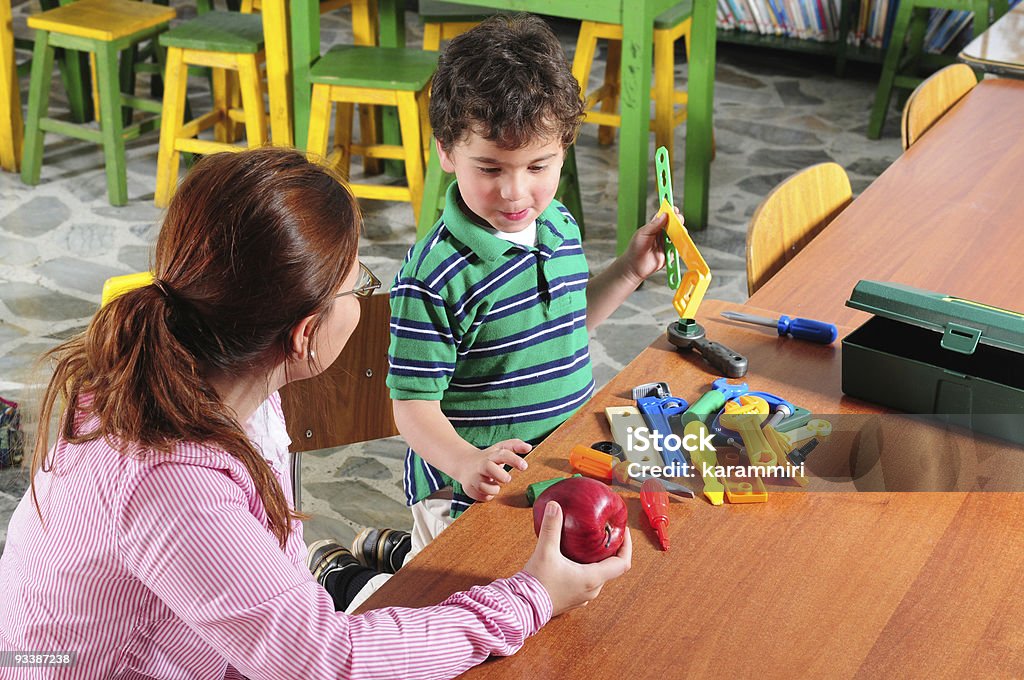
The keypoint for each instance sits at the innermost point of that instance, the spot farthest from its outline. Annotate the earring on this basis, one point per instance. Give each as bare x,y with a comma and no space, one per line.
312,354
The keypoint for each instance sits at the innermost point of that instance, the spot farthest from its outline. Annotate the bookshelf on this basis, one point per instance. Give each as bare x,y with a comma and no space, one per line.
824,27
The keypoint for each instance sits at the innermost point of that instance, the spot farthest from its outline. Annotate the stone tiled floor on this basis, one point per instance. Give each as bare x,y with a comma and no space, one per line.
774,113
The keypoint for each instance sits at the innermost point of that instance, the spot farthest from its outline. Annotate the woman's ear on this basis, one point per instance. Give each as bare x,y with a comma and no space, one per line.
300,337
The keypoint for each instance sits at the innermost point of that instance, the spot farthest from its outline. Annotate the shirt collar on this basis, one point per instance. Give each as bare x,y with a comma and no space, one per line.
486,246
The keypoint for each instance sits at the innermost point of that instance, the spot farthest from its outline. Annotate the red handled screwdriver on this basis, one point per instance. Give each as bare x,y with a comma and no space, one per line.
654,498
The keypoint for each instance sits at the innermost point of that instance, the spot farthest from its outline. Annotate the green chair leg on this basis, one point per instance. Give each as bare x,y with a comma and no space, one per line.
112,129
899,69
126,79
38,105
883,94
569,188
435,183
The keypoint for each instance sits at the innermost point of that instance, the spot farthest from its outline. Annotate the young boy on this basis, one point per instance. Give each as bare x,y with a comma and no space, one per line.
491,309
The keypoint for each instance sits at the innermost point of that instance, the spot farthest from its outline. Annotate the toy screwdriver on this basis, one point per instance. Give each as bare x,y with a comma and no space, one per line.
804,329
654,498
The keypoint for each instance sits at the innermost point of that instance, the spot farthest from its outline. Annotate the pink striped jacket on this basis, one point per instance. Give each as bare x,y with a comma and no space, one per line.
164,568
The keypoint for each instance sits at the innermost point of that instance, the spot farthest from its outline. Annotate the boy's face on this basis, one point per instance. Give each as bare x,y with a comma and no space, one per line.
505,188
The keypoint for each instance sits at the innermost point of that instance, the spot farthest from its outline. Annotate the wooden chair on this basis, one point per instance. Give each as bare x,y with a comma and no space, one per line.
349,402
104,28
932,98
12,131
791,216
905,52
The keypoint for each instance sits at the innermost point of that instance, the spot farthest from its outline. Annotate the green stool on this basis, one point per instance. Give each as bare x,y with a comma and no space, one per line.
436,182
104,28
899,68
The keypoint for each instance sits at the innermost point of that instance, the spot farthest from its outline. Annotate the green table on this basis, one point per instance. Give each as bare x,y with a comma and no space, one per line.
637,19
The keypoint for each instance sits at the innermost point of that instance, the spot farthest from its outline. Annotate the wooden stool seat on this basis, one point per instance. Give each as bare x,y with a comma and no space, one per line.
106,20
388,76
218,32
377,68
102,28
601,104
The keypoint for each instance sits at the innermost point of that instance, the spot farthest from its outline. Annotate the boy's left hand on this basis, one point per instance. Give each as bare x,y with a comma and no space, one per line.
646,251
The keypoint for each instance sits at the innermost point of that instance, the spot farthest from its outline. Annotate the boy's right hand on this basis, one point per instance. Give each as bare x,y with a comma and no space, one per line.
570,584
482,473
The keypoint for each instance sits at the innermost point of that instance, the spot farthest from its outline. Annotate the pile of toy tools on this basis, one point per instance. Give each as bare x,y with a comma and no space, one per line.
686,334
732,438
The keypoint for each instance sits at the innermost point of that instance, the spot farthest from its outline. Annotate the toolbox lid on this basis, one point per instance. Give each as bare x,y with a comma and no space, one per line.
963,323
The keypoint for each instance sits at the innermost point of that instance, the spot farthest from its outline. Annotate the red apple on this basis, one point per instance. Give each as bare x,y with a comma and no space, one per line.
594,523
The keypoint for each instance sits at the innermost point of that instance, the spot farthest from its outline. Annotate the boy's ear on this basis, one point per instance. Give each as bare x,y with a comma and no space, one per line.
446,160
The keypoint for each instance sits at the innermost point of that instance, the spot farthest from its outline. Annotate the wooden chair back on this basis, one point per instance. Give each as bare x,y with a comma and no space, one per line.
790,216
932,98
349,402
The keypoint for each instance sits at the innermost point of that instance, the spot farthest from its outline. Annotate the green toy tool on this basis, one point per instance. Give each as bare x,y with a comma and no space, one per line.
664,173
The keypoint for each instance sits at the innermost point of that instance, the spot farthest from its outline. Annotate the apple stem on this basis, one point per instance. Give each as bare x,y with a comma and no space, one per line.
607,535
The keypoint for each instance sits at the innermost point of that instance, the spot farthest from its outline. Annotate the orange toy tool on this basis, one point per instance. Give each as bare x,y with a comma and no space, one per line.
654,498
592,463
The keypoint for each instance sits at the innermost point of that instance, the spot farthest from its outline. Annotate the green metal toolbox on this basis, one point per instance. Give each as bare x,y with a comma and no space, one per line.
928,353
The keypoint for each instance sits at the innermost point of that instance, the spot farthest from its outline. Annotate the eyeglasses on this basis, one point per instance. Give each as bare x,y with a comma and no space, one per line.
365,286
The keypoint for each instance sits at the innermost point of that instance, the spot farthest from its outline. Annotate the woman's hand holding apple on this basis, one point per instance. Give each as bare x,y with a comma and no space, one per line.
568,583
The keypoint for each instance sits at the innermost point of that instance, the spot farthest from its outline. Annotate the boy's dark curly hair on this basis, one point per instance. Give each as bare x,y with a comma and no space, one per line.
509,81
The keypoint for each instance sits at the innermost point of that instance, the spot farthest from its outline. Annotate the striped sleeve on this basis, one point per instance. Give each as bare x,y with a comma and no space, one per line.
188,533
424,339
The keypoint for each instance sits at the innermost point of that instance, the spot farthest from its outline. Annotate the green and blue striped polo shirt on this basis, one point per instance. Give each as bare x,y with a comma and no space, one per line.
494,330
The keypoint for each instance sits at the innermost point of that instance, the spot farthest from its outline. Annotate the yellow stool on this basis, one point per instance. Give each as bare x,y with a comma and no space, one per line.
226,42
669,26
388,76
104,28
11,127
275,35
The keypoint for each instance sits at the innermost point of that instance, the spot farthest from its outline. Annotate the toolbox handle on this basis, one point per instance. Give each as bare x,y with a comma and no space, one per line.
960,338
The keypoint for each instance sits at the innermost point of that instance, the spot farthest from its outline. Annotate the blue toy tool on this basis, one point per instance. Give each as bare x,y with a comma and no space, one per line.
656,412
803,329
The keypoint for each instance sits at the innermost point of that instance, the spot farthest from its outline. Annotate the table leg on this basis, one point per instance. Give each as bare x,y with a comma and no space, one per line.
635,102
700,87
304,34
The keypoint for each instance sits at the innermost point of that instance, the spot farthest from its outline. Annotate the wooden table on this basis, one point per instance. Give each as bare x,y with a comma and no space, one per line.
1000,49
637,19
809,584
946,216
